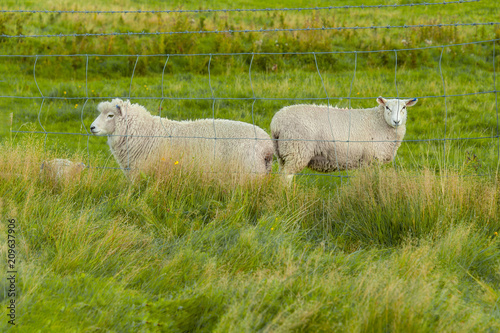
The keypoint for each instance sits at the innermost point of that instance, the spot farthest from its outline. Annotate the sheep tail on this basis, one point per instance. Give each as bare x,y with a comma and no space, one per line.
268,161
276,137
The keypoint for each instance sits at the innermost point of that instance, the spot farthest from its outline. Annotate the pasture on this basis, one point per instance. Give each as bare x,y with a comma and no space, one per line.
410,246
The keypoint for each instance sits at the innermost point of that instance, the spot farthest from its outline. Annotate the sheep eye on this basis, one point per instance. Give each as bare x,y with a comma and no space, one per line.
111,115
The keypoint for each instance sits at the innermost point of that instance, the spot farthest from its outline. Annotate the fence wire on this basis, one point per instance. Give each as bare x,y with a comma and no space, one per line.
231,31
254,98
496,101
246,53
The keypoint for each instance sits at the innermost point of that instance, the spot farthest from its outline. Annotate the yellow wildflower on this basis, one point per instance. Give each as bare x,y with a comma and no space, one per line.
176,162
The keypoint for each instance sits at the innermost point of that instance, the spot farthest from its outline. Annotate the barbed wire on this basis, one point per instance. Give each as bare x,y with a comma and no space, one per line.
172,11
230,31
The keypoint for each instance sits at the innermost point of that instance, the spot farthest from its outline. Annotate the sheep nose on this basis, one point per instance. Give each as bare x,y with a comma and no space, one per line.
396,122
92,128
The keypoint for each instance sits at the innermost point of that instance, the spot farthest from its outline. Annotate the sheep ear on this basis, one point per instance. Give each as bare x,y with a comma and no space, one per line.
381,101
101,106
121,107
411,102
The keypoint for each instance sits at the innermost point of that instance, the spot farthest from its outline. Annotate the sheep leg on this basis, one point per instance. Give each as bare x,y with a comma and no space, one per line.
293,164
293,155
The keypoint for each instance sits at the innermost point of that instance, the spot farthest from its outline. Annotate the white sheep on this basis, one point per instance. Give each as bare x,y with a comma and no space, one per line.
326,138
61,169
137,139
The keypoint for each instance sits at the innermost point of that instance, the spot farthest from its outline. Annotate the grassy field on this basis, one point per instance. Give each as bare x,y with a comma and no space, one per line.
407,247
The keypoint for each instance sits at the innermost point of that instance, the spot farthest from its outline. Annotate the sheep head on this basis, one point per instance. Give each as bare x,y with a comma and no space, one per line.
395,110
110,114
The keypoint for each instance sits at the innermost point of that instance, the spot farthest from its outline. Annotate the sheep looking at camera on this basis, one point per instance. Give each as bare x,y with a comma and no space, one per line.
326,138
137,139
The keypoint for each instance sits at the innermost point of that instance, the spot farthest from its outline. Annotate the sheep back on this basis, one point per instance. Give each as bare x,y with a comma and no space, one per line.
239,145
326,138
143,139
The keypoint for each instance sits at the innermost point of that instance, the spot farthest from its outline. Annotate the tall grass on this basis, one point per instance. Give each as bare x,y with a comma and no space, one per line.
389,251
409,247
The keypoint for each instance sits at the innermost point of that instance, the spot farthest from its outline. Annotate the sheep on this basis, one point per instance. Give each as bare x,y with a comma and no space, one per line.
61,169
326,138
138,140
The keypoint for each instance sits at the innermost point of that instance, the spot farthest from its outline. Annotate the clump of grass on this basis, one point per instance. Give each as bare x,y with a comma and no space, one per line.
384,206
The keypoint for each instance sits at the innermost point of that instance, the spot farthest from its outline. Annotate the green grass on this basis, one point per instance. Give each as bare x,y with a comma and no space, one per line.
408,247
433,118
391,251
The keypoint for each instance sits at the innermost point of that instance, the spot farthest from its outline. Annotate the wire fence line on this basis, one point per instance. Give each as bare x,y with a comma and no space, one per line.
253,54
173,11
244,98
43,97
246,53
445,105
496,99
231,31
260,139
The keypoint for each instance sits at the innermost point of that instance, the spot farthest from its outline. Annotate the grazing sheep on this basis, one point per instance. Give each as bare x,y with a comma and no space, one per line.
137,139
326,138
59,169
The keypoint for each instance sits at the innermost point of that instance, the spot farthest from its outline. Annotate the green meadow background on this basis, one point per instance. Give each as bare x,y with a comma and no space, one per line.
411,246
